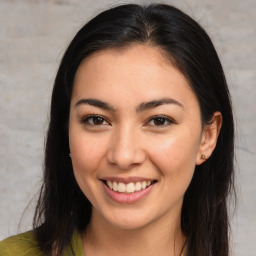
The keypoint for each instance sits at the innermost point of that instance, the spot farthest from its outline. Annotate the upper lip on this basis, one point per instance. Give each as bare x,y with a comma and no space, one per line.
127,179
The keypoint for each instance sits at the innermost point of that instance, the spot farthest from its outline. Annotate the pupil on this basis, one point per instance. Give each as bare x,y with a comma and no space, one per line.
159,121
97,120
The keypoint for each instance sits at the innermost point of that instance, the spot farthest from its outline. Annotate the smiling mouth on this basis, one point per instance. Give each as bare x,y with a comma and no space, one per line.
129,188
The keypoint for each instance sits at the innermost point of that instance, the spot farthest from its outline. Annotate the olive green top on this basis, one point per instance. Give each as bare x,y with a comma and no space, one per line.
25,245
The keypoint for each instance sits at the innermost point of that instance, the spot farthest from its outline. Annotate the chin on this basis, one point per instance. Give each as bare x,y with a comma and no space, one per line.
129,224
129,221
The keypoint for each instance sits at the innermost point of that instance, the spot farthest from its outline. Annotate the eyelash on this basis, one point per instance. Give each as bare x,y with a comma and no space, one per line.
86,120
166,119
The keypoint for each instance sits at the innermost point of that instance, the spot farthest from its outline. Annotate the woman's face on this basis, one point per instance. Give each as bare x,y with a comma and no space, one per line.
135,134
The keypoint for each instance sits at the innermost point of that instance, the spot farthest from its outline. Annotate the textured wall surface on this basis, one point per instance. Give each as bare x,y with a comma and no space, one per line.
33,37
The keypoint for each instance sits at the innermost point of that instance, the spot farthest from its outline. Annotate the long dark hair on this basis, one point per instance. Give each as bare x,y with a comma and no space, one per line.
62,208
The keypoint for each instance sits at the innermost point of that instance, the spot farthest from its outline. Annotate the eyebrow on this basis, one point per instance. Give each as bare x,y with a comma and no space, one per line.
142,107
156,103
95,103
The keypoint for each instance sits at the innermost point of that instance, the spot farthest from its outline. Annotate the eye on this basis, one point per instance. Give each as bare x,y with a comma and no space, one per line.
160,121
95,120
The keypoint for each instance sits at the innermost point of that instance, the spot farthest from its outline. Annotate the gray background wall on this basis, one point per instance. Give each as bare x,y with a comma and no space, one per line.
33,37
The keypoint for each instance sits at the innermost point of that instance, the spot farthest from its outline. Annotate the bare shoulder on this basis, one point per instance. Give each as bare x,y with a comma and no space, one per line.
22,245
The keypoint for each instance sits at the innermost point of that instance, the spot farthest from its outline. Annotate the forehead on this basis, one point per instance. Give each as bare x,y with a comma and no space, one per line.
139,70
131,59
134,51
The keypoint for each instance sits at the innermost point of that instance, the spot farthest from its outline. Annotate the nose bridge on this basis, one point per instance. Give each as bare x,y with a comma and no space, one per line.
125,149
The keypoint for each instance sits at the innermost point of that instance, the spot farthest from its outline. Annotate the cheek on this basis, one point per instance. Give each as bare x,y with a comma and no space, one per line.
175,156
175,161
87,153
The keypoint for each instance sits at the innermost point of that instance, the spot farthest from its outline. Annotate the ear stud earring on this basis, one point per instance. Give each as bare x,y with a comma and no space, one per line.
69,155
203,156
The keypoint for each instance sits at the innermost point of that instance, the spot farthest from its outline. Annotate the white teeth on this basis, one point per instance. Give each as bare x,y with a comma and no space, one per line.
138,186
121,187
128,188
115,187
110,184
143,184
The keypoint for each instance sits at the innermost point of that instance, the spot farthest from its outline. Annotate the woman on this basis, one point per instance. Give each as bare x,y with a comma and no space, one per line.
139,151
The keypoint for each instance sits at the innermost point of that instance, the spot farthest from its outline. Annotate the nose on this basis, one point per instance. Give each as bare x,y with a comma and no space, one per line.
125,149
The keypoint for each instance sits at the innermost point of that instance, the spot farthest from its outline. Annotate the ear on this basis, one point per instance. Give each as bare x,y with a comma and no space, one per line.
209,138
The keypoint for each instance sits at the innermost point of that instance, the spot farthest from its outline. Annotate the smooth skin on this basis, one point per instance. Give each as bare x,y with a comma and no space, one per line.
134,114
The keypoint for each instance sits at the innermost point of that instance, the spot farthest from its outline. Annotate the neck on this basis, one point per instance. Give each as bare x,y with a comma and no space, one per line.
162,237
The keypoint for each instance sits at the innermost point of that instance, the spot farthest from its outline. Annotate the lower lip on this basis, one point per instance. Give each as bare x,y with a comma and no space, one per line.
127,198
